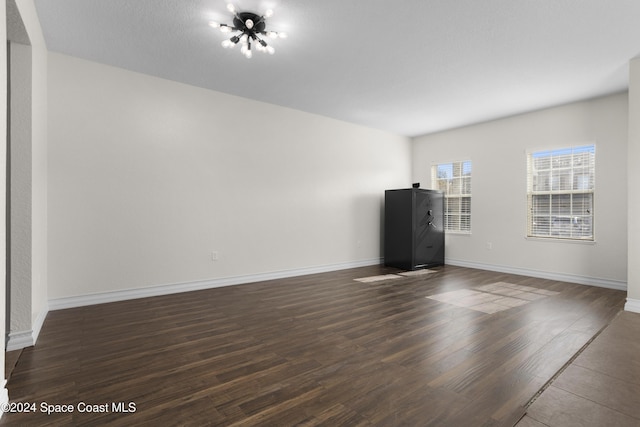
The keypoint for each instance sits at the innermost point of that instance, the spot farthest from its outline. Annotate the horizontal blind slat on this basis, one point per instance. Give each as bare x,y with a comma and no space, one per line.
560,189
454,179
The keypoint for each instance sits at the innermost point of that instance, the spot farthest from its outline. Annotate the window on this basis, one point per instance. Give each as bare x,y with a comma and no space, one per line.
455,180
560,186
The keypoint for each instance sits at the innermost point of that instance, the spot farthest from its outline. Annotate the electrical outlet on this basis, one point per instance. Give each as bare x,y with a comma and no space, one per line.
215,256
489,245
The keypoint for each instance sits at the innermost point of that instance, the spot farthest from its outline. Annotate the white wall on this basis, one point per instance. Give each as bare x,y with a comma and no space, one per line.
4,394
20,127
39,144
633,300
498,152
32,296
148,177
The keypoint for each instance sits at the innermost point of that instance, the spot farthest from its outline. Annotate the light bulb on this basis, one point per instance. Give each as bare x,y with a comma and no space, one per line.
248,23
272,34
225,28
268,13
283,35
227,44
248,54
271,50
231,8
213,24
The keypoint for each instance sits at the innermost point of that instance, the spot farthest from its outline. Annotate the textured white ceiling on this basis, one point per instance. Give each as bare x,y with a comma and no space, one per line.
406,66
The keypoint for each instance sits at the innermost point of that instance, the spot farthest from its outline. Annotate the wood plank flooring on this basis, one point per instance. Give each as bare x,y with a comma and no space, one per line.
314,350
601,387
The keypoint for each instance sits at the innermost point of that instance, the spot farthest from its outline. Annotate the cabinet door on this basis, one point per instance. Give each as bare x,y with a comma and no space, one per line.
435,238
398,229
429,229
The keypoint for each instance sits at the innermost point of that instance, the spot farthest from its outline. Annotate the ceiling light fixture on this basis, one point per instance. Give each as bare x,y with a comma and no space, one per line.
249,30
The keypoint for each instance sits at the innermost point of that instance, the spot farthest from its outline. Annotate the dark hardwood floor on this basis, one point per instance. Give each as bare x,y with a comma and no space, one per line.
314,350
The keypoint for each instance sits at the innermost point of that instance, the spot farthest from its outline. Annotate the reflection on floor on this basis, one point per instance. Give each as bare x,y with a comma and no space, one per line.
417,272
493,297
399,275
380,278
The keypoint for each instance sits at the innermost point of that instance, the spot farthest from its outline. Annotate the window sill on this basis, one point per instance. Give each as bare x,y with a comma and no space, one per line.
560,240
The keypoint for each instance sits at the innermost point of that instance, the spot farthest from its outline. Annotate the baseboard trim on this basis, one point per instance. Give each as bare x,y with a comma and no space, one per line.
4,396
632,305
28,338
563,277
153,291
19,340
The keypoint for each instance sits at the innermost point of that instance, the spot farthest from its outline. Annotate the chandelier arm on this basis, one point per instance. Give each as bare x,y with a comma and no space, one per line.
260,40
224,28
266,33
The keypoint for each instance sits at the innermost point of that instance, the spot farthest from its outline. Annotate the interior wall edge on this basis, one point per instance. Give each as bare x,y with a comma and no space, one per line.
39,322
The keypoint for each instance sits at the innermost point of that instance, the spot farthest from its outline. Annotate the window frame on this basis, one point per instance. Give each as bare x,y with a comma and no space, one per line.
569,190
461,198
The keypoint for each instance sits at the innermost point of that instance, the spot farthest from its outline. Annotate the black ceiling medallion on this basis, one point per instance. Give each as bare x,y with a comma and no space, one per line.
248,29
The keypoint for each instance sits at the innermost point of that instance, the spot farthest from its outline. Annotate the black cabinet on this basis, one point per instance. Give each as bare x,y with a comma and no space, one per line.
413,228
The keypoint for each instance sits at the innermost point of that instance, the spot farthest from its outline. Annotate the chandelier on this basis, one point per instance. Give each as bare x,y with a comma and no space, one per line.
248,29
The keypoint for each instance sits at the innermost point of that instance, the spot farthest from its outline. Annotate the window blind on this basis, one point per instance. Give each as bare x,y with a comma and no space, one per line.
560,191
454,179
